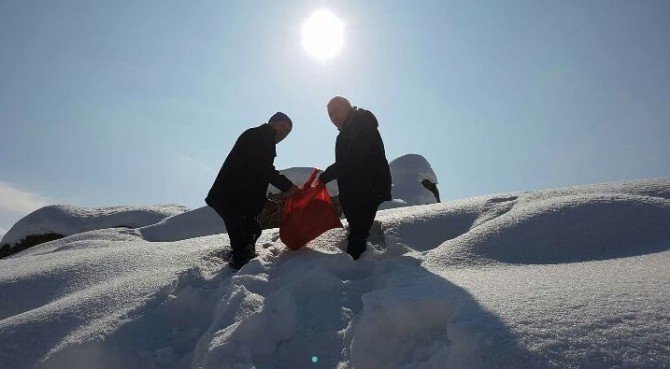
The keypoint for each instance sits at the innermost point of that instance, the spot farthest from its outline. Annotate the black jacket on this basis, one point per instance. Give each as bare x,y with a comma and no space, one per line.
361,168
244,177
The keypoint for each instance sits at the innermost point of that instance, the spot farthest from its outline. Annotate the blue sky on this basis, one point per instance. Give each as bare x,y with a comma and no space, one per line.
109,103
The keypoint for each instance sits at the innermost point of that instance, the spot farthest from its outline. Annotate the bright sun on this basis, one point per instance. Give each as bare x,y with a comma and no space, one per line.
322,34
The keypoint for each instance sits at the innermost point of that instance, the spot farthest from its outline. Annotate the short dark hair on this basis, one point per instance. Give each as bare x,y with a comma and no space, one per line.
279,116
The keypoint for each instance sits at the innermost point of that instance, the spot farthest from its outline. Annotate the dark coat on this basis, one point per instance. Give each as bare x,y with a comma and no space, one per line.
242,182
361,168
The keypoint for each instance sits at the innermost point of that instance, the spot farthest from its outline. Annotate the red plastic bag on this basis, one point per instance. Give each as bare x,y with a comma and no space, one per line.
307,214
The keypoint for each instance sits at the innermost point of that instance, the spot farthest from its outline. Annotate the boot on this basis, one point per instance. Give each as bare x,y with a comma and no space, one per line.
240,258
356,248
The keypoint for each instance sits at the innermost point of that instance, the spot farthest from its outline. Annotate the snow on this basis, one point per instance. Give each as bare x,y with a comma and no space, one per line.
67,220
202,221
407,172
564,278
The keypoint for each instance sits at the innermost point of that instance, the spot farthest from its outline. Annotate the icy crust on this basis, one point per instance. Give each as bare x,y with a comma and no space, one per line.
66,220
565,278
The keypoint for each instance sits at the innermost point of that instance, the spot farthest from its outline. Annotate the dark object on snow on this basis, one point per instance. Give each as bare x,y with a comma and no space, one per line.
238,193
361,168
362,173
432,187
243,230
360,215
28,241
279,116
307,214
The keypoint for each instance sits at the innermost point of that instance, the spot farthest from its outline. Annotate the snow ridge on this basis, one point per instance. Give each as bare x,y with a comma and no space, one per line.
65,220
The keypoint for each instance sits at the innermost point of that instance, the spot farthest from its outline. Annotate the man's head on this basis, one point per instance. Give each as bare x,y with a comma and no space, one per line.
339,109
282,125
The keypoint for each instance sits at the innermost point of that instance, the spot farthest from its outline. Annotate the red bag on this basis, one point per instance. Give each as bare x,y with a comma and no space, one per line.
307,214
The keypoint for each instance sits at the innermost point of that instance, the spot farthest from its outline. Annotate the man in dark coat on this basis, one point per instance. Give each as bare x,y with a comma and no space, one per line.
238,194
361,169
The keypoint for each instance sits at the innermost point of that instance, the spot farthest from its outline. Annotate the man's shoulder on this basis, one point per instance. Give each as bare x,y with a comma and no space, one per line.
365,119
257,132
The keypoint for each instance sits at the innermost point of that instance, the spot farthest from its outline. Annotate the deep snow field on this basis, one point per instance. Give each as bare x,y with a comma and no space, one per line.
566,278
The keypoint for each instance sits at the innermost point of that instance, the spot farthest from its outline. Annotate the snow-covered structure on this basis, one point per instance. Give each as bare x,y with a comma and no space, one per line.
565,278
409,173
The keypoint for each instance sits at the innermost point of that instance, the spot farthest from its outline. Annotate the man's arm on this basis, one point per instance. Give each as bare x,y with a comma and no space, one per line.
332,172
280,181
253,148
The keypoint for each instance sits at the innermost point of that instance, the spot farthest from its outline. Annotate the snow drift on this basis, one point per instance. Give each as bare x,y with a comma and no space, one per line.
63,220
565,278
202,221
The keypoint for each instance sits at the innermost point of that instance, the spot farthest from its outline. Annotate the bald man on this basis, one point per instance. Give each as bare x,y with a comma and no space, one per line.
361,169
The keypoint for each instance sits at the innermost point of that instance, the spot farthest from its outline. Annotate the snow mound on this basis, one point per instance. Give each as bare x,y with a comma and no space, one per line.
199,222
67,220
407,173
565,278
565,229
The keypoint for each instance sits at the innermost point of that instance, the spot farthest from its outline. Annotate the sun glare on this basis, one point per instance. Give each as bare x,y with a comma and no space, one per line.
322,34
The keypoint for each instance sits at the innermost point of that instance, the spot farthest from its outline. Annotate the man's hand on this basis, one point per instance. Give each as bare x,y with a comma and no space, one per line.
291,191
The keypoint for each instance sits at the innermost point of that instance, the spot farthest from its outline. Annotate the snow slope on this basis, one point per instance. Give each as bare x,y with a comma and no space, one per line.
202,221
67,220
565,278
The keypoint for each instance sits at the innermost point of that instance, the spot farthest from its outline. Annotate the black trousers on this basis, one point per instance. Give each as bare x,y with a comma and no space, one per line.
360,214
242,227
